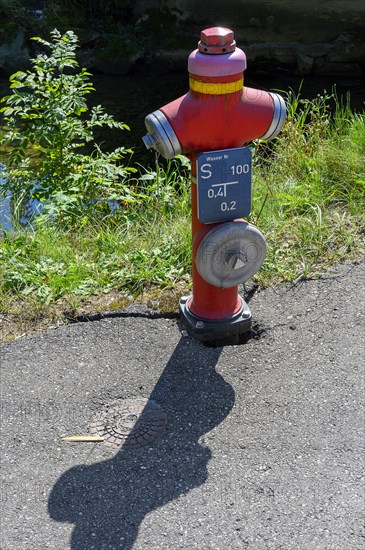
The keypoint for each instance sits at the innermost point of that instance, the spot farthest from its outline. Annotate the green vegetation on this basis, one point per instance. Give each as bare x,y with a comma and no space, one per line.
112,234
52,271
309,189
47,131
150,244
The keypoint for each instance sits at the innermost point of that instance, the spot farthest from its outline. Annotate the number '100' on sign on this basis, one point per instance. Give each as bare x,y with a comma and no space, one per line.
224,184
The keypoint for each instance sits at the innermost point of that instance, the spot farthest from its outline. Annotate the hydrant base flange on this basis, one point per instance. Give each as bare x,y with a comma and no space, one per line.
211,330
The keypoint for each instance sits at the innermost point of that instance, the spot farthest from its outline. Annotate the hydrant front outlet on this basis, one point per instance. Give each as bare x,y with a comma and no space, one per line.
212,125
230,254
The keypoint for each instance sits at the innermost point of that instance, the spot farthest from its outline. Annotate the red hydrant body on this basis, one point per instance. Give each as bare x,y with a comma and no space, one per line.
207,122
221,116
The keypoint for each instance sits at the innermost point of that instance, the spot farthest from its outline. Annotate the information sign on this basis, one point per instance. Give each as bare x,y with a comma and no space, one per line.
224,184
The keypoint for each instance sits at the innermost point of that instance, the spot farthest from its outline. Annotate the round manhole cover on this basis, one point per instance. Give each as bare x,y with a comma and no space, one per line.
130,423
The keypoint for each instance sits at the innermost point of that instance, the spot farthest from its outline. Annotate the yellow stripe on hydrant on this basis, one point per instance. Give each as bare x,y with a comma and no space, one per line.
215,88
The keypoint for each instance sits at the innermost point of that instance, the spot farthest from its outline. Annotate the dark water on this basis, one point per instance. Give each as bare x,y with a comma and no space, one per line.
5,214
131,97
5,207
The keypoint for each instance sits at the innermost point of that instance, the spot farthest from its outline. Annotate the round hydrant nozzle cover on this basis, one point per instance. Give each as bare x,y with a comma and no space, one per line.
216,40
230,254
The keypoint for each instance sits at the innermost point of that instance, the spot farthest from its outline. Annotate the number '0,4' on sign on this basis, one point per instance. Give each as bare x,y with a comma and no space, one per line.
224,184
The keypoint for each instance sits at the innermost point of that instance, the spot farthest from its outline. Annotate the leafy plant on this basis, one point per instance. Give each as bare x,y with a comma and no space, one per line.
47,134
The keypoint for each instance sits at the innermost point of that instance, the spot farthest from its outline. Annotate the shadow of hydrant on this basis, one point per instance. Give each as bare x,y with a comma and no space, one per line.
108,501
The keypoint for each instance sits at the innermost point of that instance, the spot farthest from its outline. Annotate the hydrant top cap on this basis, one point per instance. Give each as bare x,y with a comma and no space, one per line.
216,40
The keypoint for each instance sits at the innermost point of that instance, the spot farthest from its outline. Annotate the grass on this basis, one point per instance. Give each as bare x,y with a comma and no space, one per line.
312,187
51,263
308,199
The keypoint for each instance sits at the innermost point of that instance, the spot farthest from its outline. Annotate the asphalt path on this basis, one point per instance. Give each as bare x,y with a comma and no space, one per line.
264,441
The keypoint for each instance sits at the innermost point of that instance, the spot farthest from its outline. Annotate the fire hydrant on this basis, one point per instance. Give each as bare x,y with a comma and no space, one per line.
212,125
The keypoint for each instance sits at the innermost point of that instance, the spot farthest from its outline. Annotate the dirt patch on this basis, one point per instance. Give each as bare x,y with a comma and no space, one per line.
26,317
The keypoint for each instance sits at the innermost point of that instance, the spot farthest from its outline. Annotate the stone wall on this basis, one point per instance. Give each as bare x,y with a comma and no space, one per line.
311,37
321,37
